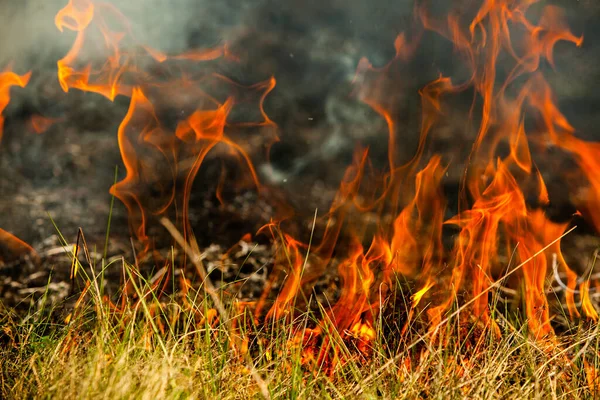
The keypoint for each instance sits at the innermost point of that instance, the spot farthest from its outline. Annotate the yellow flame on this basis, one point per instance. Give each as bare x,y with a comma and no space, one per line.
416,298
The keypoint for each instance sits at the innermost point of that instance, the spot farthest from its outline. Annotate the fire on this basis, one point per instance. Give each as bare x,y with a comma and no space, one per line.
7,80
12,248
153,154
40,124
498,216
291,253
385,224
106,57
416,298
77,16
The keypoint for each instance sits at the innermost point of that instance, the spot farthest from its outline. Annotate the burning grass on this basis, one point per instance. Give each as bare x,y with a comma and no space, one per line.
202,344
426,304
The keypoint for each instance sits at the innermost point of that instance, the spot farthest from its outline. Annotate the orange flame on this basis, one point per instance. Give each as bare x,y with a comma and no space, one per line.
7,80
11,247
154,156
416,298
291,255
40,124
406,201
78,16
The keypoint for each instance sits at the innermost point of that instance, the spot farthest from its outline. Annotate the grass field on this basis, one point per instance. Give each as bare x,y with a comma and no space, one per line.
186,346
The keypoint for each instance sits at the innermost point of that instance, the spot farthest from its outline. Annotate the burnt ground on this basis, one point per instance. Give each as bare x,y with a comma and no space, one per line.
62,176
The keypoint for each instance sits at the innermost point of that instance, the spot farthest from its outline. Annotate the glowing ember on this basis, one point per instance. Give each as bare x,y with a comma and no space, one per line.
12,248
40,124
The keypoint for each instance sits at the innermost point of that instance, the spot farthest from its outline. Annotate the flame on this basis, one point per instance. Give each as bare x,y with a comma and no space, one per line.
164,159
7,80
499,216
116,64
357,279
78,16
416,298
293,257
499,205
418,228
586,303
11,248
40,124
145,144
384,222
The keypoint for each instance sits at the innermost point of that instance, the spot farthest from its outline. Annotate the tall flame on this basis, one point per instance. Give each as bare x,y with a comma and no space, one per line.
502,193
7,80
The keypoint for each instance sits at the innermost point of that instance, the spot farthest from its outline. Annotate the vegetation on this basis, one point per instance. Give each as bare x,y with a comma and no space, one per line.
183,345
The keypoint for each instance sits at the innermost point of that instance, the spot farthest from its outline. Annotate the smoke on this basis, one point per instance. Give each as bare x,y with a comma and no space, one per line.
28,33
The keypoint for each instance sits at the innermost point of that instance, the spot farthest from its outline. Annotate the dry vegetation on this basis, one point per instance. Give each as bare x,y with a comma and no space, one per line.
194,345
164,336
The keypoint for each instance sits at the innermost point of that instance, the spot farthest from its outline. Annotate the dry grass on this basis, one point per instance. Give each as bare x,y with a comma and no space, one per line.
176,348
198,344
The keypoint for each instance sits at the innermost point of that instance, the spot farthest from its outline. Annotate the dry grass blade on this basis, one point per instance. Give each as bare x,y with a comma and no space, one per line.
194,254
196,259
